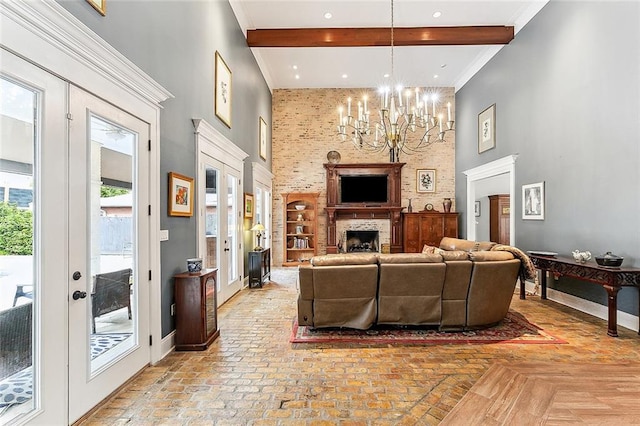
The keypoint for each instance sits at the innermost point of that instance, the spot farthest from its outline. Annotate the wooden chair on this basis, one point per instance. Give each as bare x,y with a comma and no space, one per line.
111,291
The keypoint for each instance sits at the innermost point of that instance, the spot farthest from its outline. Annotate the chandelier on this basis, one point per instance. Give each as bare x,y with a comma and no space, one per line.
395,119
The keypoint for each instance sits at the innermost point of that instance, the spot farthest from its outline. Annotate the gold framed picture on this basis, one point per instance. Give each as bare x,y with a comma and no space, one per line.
99,5
426,180
263,139
223,93
248,205
180,195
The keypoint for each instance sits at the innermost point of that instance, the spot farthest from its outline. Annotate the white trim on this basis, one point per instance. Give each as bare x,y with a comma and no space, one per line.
597,310
168,344
49,25
503,165
262,175
216,145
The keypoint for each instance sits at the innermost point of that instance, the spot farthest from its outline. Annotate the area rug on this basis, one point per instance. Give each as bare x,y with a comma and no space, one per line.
513,329
17,389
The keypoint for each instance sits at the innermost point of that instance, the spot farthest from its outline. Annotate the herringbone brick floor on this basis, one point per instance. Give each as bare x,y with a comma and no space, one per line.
251,375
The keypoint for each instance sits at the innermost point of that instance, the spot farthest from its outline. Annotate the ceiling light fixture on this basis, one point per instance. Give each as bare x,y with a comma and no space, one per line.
344,76
395,120
437,14
328,15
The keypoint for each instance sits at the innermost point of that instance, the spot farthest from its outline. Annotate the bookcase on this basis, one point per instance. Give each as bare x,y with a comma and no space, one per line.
300,236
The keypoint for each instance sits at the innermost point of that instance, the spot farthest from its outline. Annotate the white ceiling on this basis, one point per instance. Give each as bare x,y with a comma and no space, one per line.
365,66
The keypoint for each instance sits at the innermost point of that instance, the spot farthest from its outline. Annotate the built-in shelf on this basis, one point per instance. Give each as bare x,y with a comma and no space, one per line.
301,244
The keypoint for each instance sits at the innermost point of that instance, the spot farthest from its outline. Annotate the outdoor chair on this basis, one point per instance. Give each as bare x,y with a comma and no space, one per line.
111,292
15,339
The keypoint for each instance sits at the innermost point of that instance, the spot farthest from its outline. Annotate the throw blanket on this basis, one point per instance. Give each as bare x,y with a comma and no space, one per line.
527,270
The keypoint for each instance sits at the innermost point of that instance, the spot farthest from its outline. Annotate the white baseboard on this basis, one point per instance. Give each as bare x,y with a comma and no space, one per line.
625,319
168,344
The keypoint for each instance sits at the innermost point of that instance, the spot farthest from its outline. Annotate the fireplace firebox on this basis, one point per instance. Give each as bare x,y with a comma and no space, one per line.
362,241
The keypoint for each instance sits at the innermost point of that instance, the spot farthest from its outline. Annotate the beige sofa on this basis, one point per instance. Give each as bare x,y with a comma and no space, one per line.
457,286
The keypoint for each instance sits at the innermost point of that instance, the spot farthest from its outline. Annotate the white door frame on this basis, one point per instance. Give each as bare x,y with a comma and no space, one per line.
212,143
263,178
503,165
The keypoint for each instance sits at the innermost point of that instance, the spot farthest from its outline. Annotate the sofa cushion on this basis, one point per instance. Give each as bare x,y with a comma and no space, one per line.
345,259
409,258
487,256
448,255
448,243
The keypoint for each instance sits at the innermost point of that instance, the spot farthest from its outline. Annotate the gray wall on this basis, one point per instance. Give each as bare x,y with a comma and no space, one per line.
175,43
567,95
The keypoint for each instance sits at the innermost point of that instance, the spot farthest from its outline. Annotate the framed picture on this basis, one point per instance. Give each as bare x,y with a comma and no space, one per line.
426,180
487,129
180,195
533,201
476,208
248,205
263,139
223,90
99,5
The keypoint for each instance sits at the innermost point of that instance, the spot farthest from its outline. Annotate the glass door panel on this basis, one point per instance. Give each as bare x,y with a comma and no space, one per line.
18,290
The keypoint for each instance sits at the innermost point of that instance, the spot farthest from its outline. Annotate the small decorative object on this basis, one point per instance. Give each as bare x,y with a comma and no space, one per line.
581,256
300,206
258,227
609,259
410,207
428,207
180,195
99,5
248,205
263,138
426,180
223,91
299,229
194,265
333,157
533,201
487,129
446,204
300,217
477,208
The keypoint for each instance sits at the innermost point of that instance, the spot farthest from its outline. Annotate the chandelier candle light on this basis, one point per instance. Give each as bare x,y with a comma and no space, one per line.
395,119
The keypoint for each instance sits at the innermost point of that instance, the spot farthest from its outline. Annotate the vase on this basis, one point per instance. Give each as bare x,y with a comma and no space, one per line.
447,205
409,207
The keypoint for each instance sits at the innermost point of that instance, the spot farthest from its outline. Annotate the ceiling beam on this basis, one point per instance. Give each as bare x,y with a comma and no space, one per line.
367,37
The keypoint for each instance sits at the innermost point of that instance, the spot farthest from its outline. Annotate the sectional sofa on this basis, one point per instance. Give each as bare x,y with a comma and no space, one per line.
459,285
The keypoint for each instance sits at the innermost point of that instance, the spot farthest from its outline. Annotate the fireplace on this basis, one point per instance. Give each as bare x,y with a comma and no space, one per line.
362,241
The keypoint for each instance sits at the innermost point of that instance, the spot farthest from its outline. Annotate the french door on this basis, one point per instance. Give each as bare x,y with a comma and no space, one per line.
220,223
108,249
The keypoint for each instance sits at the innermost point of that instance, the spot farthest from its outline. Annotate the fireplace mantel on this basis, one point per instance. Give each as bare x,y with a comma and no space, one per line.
390,210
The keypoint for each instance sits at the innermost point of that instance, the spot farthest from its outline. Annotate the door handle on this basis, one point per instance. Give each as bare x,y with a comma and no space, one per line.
226,249
79,294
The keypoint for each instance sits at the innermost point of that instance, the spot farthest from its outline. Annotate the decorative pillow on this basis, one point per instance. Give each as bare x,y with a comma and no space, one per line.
448,243
429,249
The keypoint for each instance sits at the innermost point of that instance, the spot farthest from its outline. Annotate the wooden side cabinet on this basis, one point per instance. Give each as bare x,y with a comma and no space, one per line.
259,267
499,216
196,310
427,228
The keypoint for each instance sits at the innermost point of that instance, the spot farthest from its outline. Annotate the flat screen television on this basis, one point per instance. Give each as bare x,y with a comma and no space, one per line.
363,189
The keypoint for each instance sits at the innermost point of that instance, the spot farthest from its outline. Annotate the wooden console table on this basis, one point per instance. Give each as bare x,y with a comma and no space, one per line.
612,279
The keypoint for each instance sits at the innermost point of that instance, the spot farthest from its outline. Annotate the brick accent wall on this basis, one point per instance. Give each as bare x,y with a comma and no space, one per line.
304,130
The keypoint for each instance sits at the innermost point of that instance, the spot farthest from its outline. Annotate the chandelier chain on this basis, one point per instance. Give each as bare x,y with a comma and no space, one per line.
392,64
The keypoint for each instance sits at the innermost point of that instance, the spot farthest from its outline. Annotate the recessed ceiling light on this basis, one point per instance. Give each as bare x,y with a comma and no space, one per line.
443,66
295,67
344,76
297,76
435,76
328,15
437,14
386,76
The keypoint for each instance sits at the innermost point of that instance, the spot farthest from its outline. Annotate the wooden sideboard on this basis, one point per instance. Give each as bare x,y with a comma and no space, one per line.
612,279
427,228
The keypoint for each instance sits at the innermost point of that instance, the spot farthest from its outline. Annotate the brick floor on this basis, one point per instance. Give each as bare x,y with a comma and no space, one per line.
252,375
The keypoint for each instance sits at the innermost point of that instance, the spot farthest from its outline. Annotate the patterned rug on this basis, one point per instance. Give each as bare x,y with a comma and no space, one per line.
513,329
17,389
